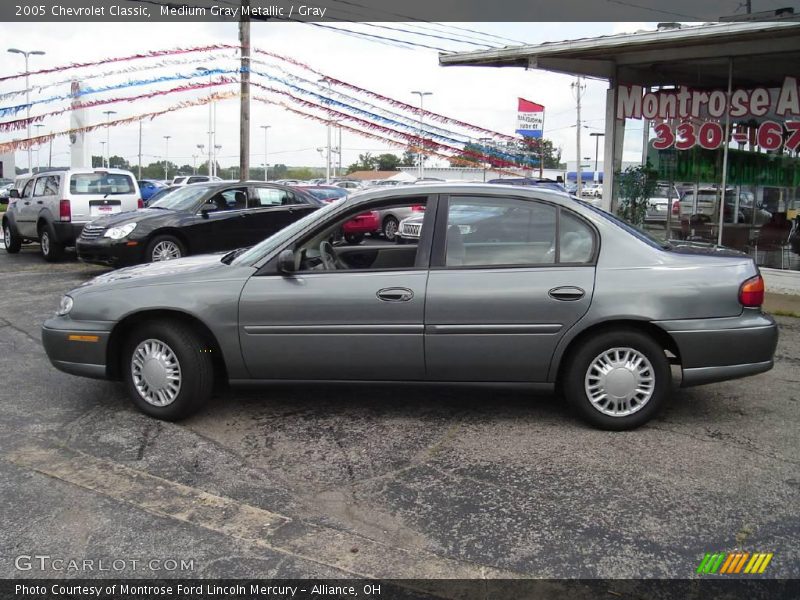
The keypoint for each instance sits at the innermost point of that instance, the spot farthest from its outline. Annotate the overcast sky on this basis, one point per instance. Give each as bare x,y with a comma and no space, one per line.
483,96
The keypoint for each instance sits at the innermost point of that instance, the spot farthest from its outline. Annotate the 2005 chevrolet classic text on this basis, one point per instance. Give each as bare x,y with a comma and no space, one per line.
536,288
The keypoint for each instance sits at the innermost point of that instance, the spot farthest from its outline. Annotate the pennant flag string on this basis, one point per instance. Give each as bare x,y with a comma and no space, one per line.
42,139
22,123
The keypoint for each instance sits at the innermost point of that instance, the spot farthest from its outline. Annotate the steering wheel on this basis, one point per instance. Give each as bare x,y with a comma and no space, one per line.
328,256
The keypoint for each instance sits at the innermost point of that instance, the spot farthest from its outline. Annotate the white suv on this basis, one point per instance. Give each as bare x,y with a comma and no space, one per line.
52,207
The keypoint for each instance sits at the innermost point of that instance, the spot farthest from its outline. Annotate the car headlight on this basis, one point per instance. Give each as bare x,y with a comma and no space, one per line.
117,233
64,306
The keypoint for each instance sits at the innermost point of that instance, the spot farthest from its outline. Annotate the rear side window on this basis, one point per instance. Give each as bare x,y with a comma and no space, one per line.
101,183
576,240
51,185
272,197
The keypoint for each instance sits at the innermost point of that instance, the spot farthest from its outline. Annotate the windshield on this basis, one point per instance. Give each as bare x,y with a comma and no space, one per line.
181,199
284,234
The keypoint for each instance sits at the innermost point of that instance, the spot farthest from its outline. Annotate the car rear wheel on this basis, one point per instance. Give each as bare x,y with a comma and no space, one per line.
11,240
52,250
617,380
168,370
164,247
389,228
354,238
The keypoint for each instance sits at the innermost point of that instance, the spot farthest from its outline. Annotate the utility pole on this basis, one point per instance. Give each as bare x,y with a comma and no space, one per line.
210,124
102,155
201,147
27,97
194,164
578,88
265,128
328,133
420,155
244,98
140,149
108,114
166,157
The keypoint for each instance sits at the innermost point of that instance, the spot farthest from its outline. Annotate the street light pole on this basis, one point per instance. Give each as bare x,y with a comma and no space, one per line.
265,128
27,96
102,154
421,167
210,125
38,149
201,147
108,114
166,157
596,137
194,164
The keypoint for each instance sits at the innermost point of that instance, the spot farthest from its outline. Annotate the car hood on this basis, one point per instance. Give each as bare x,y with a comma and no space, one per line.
131,216
188,268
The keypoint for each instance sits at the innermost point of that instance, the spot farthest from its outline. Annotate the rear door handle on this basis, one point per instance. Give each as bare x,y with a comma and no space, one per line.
397,294
39,202
567,293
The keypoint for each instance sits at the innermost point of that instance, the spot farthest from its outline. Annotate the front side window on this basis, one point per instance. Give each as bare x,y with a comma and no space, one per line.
499,231
38,190
233,199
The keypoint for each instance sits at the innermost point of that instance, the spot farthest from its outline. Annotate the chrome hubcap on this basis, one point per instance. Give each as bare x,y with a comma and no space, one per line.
156,372
45,243
619,382
390,229
166,250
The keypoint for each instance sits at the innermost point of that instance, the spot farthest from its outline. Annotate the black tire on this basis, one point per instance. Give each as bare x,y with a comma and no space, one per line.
574,382
389,228
52,250
354,239
193,358
11,239
164,239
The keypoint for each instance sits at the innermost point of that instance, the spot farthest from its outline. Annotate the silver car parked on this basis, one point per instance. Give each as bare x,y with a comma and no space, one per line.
504,284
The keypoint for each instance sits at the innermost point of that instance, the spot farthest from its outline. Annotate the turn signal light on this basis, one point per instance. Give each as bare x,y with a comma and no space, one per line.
64,210
751,293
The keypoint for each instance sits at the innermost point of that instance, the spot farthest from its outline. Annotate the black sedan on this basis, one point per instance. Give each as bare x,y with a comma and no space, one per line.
195,219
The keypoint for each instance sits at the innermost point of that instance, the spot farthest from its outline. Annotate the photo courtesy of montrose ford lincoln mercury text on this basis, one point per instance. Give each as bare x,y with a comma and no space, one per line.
534,288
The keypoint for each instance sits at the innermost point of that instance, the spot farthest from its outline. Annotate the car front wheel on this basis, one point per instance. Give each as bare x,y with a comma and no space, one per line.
168,370
617,380
11,240
164,247
390,225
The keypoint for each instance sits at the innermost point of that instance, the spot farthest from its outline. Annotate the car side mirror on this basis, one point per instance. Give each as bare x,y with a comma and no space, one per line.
207,208
286,261
13,193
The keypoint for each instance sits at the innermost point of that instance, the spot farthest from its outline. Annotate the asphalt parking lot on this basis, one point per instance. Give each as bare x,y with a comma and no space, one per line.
385,481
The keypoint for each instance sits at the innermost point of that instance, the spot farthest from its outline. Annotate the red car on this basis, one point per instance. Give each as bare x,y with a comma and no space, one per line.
355,229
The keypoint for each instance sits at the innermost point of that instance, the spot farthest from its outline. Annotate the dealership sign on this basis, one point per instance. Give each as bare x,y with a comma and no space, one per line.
684,118
530,118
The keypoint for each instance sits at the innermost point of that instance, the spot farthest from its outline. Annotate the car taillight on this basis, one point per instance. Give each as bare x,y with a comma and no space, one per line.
676,207
751,292
418,208
64,210
139,203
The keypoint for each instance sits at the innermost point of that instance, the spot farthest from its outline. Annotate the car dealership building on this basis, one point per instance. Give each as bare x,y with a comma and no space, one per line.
693,87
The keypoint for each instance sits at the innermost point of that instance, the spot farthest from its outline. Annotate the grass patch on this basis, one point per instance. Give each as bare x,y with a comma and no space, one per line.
784,313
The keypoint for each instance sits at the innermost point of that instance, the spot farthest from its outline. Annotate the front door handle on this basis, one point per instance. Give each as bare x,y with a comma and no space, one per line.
40,202
567,293
397,294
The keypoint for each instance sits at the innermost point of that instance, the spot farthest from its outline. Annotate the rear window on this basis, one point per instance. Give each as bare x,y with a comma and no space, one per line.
101,183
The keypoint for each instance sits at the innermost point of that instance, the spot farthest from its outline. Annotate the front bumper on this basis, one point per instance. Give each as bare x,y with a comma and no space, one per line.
77,347
108,252
714,350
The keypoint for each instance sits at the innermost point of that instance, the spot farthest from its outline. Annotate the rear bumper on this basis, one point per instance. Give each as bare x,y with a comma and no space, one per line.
78,348
66,232
726,348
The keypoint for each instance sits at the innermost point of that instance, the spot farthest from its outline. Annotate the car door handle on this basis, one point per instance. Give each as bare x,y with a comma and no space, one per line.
27,203
567,293
398,294
39,202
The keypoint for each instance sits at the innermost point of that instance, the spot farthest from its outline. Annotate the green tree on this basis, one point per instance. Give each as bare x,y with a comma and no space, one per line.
409,158
534,148
388,162
366,162
636,187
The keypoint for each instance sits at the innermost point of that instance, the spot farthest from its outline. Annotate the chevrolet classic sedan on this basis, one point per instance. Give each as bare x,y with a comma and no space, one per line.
544,290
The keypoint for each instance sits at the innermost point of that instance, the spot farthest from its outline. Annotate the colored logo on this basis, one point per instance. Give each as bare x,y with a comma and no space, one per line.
734,563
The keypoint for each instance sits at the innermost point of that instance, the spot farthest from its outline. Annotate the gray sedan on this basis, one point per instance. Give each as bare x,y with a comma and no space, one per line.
540,289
